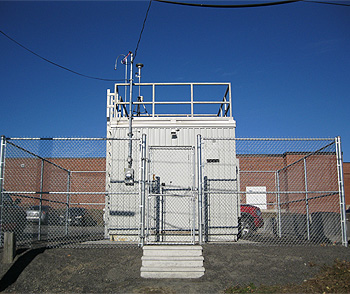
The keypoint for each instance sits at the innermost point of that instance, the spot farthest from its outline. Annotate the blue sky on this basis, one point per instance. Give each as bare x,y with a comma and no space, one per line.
289,65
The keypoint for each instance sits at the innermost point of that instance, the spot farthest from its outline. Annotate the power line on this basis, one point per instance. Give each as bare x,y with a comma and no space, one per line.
329,3
231,5
249,5
177,3
56,64
143,26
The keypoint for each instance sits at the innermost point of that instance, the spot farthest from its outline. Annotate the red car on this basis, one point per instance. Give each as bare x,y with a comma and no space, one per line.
250,220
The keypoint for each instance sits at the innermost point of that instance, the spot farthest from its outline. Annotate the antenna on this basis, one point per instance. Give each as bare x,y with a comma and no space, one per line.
139,66
116,61
125,62
139,98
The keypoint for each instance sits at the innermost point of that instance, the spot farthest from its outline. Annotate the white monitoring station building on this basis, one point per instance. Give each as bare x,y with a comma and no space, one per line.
172,171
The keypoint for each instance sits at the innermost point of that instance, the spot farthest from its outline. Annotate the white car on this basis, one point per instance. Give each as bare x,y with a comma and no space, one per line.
35,213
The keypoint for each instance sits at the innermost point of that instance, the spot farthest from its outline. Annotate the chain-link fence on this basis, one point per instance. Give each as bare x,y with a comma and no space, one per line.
69,192
53,191
297,187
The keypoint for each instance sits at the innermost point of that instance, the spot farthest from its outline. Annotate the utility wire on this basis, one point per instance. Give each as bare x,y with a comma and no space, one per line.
248,5
170,2
143,26
231,5
329,3
56,64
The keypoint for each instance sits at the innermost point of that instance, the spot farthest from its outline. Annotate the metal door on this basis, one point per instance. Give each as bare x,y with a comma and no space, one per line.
171,196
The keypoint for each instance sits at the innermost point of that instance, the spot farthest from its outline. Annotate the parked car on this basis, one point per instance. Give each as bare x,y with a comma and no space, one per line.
36,214
77,216
251,220
14,216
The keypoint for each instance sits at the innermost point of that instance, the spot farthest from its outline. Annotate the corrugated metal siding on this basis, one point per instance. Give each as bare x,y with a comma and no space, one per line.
186,136
225,207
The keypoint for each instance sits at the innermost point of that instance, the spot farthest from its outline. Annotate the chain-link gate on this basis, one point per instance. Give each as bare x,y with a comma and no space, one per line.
122,209
220,190
171,199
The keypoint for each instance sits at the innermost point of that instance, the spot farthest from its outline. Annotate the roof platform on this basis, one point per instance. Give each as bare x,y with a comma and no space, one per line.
171,100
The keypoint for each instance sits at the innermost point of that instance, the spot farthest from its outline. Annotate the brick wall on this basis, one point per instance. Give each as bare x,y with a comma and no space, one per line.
321,172
87,175
35,175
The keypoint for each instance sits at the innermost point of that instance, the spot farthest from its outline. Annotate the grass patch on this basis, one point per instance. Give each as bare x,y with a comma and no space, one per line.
331,279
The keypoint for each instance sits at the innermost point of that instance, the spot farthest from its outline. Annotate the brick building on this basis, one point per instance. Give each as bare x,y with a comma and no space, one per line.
88,175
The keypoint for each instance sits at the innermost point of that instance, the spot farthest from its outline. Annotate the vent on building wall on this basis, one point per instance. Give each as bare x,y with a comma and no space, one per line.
213,160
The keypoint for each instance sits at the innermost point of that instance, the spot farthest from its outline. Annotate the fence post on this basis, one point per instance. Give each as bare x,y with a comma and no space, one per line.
143,190
306,202
341,190
67,203
41,197
200,189
2,167
150,191
205,209
9,253
193,192
279,205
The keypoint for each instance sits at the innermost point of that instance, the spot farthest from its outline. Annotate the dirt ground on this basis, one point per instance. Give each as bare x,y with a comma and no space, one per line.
117,270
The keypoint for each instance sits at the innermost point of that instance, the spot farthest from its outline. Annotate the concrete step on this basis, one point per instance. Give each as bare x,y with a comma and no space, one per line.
155,250
176,272
160,261
172,269
172,275
172,261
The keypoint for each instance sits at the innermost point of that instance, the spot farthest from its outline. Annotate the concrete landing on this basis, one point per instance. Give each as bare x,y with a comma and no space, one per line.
175,262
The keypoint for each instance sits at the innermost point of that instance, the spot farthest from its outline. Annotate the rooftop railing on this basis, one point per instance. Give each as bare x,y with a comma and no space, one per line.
171,100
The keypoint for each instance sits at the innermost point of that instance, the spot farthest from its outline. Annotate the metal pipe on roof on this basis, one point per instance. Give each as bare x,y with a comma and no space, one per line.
130,113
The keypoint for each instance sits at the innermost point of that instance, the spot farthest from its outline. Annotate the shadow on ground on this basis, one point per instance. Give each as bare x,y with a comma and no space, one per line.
25,257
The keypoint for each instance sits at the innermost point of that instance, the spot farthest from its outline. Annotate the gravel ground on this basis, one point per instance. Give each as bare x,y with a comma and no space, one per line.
117,270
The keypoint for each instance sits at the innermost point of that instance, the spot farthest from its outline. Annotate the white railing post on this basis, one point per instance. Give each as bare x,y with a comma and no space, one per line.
192,109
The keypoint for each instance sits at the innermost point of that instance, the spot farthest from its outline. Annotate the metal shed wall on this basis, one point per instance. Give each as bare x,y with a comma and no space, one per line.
124,212
158,130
